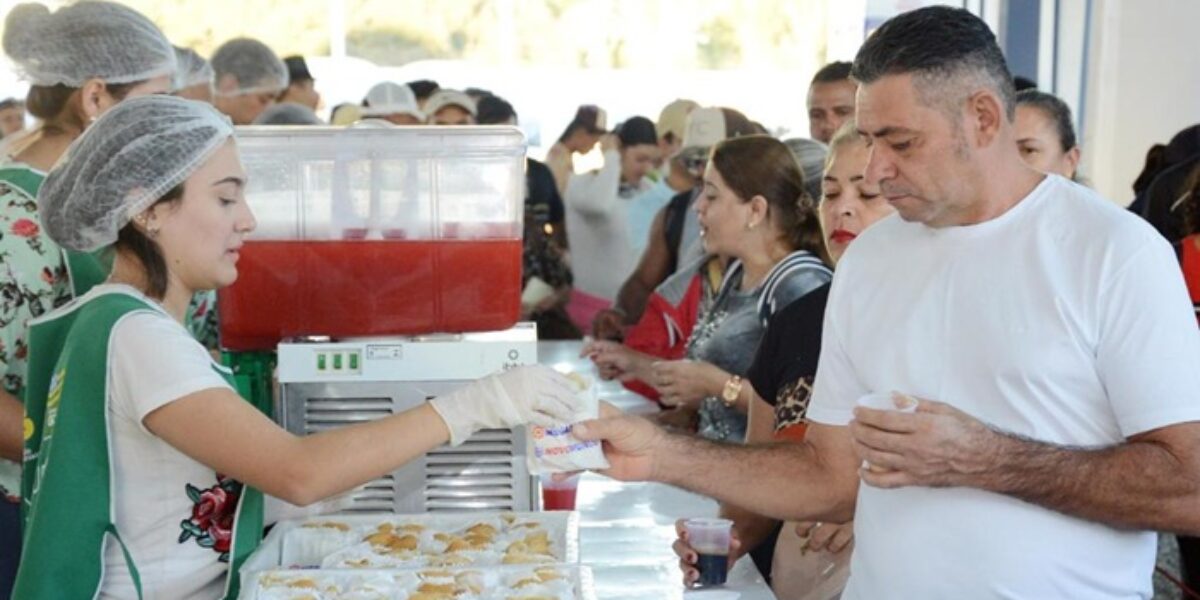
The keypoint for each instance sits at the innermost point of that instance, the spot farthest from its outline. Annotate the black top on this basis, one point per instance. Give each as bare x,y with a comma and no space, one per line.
541,195
786,362
543,206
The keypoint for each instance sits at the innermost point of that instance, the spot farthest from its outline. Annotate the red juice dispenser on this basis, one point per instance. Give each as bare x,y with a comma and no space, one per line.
377,232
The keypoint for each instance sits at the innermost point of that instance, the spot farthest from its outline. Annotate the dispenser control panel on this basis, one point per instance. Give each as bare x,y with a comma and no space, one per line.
450,357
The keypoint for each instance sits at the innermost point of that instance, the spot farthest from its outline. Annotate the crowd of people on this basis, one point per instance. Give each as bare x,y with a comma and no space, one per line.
933,238
1005,299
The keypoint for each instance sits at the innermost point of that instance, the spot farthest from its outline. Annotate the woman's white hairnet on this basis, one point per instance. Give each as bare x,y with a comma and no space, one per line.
129,158
192,69
84,40
255,67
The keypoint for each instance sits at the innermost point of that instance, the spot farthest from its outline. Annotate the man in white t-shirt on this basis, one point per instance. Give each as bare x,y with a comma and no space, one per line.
1047,333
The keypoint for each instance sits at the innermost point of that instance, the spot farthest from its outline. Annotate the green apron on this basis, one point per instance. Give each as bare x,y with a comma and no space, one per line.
66,496
85,269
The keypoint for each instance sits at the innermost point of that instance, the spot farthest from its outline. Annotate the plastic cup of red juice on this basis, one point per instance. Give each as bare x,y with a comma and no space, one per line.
559,495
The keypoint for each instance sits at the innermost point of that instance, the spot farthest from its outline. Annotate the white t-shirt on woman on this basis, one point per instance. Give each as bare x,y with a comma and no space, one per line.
153,361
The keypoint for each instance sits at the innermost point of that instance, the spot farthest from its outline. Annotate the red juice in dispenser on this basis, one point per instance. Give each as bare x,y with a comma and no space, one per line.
368,288
377,232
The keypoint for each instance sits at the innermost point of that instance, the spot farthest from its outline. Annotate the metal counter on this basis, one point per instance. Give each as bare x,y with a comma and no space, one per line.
626,529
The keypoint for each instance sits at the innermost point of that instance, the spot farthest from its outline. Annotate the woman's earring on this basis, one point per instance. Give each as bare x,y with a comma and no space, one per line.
151,230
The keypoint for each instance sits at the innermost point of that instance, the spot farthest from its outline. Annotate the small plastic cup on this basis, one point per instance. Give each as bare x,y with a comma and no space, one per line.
886,401
889,401
710,538
559,495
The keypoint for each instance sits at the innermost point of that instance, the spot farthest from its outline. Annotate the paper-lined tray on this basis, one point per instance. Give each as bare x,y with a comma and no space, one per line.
387,541
509,582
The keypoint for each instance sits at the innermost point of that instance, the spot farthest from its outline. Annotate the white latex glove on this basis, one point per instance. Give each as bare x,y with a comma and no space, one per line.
534,394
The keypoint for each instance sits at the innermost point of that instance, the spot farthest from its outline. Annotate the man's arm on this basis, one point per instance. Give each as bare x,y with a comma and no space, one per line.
753,529
1152,481
814,480
12,427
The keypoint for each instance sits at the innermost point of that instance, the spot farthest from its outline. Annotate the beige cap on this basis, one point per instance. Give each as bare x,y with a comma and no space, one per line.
444,97
390,98
705,127
673,118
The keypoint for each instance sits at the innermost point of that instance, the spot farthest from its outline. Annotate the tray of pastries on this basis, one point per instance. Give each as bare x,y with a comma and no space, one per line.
387,541
508,582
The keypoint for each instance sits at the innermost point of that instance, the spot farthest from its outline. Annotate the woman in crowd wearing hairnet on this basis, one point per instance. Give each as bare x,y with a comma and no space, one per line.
80,60
193,76
137,441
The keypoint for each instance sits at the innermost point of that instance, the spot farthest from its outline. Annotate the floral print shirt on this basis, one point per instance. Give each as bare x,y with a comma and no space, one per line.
33,281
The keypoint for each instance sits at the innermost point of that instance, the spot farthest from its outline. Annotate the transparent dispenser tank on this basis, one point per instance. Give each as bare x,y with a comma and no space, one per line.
376,232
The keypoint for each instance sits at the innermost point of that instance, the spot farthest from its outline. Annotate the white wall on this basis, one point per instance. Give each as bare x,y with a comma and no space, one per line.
1143,86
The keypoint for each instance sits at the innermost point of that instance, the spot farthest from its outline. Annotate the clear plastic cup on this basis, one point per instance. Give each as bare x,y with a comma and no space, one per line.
887,401
710,538
559,495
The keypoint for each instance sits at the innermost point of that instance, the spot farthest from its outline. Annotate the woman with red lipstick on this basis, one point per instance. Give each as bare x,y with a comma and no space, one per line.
781,383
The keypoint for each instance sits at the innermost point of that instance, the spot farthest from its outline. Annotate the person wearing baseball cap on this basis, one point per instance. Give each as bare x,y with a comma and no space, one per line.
394,103
671,125
581,135
670,178
450,107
